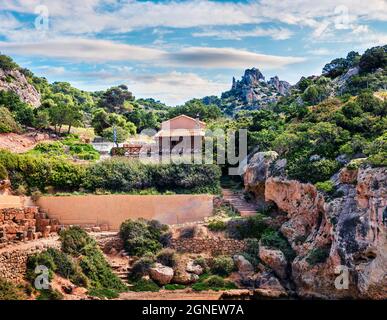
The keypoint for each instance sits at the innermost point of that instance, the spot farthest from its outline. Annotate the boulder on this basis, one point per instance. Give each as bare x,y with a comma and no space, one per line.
194,268
242,264
275,259
161,274
183,277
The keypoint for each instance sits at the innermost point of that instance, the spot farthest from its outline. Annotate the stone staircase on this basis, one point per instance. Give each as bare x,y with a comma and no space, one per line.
236,200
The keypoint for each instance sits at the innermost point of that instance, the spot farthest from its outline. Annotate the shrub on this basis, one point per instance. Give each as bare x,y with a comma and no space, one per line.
77,242
222,265
145,285
217,225
200,261
318,255
50,294
326,186
74,240
275,240
8,291
174,286
142,236
252,251
141,245
215,283
167,257
8,123
251,227
141,267
3,172
187,232
66,267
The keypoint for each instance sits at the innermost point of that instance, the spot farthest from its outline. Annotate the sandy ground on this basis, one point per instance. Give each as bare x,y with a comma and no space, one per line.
19,143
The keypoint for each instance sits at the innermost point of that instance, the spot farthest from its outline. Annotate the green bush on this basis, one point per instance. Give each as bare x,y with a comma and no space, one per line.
140,245
8,123
74,240
142,236
3,172
145,285
141,267
8,291
167,257
174,286
275,240
200,261
78,243
215,283
217,225
326,186
222,265
49,294
318,255
251,227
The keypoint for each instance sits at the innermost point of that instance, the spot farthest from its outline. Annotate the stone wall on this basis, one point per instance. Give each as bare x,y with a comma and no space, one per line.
112,210
24,224
13,259
209,245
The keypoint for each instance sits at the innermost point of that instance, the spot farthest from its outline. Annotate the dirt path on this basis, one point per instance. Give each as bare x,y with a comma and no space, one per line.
19,143
186,294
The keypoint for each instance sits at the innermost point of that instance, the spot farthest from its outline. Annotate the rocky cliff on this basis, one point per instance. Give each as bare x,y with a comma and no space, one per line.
335,239
252,91
13,80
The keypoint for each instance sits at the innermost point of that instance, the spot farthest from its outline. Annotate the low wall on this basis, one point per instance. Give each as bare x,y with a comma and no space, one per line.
13,259
213,246
9,201
112,210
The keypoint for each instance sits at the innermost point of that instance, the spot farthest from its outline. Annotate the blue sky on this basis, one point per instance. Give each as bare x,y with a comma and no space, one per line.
177,50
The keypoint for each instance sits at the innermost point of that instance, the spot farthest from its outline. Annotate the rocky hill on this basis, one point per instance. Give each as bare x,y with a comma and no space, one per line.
253,92
15,81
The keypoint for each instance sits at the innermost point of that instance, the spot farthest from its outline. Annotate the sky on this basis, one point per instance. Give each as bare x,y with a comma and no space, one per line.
174,51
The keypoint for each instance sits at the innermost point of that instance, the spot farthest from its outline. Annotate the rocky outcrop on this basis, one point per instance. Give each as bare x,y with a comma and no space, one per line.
15,81
242,264
340,243
274,259
161,274
252,91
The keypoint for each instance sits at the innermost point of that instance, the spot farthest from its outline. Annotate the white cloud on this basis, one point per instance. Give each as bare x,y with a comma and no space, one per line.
207,57
320,52
100,51
274,33
83,50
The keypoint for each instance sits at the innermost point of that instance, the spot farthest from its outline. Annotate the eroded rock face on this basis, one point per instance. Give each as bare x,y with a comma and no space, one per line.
258,171
347,233
15,81
242,264
274,259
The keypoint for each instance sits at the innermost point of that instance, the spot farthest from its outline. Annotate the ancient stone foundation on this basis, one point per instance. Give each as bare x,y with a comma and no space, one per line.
21,224
210,245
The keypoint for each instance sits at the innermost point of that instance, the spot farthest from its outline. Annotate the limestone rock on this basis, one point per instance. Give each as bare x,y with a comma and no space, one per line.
15,81
346,232
161,274
257,171
242,264
194,268
184,277
274,259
